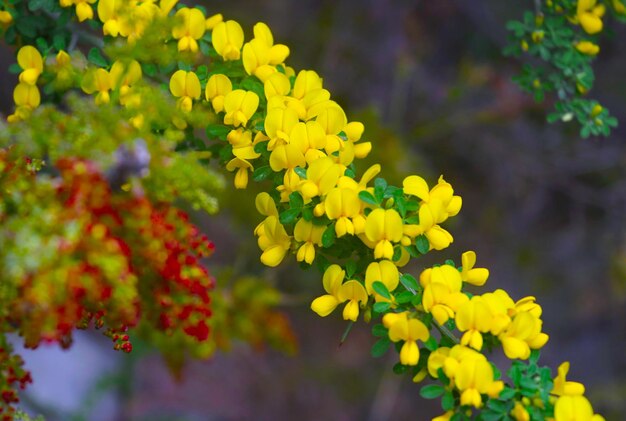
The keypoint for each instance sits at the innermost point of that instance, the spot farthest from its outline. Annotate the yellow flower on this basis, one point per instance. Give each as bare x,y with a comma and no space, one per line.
83,8
309,234
473,317
519,412
471,275
227,38
100,81
190,28
186,87
217,87
564,387
260,55
31,62
212,21
522,335
5,17
574,408
322,175
276,84
306,81
589,15
401,328
332,280
310,138
242,166
354,293
274,241
383,227
384,271
278,125
341,204
26,98
239,106
108,12
588,48
474,378
123,75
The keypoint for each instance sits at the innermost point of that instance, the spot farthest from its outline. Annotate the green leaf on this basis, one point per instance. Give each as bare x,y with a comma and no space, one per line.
95,56
261,173
431,344
422,244
381,289
367,197
382,307
295,200
399,368
409,282
404,297
350,268
447,401
380,185
307,214
432,391
301,172
507,394
380,331
329,236
380,347
289,216
217,131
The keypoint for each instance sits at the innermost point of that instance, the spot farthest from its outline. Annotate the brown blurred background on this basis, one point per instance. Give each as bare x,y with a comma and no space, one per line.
544,209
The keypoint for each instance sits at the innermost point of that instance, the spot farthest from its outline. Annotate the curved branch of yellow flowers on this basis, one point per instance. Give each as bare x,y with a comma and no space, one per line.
282,126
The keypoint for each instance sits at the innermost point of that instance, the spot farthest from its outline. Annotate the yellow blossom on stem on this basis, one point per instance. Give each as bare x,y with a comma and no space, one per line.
309,234
274,241
321,176
186,87
474,378
190,28
31,62
26,98
278,125
574,408
260,55
588,48
227,39
217,87
212,21
354,293
473,317
109,14
471,275
409,330
239,106
519,412
522,335
383,227
384,271
276,85
341,204
5,17
564,387
242,166
100,81
589,15
332,281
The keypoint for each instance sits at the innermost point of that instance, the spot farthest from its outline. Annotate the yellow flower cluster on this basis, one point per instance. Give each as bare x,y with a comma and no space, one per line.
286,123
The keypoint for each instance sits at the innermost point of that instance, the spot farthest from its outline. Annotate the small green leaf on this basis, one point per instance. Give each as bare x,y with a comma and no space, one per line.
380,331
295,200
431,344
409,282
432,391
380,347
329,236
382,307
404,297
301,172
367,197
447,401
261,173
289,216
95,56
217,131
422,243
381,289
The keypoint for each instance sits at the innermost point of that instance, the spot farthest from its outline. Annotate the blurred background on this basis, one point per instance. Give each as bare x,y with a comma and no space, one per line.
544,209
